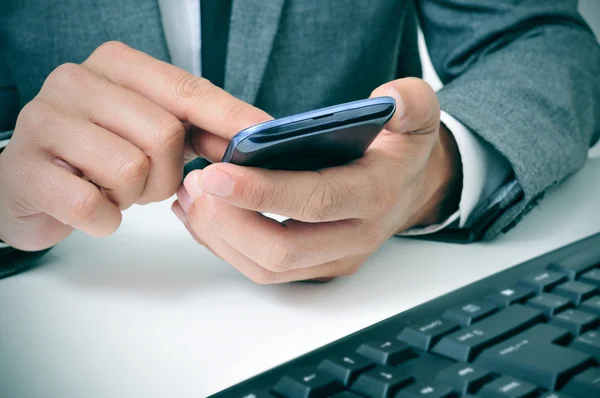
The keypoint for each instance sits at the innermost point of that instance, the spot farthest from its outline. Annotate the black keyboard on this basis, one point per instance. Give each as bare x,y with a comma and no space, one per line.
532,330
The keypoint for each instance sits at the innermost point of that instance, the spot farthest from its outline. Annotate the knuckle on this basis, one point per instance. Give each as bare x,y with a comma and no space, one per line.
265,277
258,194
133,169
322,203
170,133
188,87
65,76
36,120
239,112
32,115
280,256
84,204
111,50
428,97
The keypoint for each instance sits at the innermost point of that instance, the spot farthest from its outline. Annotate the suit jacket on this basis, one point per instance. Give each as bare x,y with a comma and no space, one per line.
523,75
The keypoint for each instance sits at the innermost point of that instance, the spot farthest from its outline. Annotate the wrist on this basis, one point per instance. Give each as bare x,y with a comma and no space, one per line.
443,181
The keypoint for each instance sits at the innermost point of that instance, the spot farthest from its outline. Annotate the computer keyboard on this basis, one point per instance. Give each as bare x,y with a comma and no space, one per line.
532,330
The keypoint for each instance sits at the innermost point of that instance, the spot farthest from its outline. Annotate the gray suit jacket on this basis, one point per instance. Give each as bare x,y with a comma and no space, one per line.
524,75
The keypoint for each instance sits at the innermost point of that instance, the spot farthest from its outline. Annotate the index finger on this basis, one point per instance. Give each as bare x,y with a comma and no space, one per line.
190,98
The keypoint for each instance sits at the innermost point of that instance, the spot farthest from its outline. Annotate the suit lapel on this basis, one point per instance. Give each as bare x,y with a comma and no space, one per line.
136,23
252,32
253,29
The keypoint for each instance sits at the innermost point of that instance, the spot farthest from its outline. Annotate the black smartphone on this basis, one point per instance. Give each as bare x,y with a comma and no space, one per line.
312,140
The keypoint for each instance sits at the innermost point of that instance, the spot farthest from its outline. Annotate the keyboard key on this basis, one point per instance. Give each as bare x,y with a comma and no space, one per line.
531,357
589,343
463,345
584,385
307,384
575,321
425,367
576,291
550,394
470,312
543,281
550,304
592,277
386,352
424,335
575,265
507,387
592,305
511,295
464,378
382,381
426,389
345,368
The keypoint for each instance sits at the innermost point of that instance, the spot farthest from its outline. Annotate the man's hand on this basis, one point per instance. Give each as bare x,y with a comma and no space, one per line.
103,135
411,175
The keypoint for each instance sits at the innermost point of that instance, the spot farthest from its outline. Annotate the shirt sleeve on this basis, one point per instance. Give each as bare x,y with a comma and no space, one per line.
484,171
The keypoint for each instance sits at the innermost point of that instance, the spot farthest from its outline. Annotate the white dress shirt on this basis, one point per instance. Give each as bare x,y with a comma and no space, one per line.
484,169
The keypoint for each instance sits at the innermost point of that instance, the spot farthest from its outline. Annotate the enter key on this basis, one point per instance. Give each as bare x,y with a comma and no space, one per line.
533,356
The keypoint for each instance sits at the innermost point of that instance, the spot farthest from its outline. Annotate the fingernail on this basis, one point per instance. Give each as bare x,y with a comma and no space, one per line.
178,211
185,200
216,182
392,92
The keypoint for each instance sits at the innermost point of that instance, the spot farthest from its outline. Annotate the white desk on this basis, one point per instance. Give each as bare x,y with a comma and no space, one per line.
148,313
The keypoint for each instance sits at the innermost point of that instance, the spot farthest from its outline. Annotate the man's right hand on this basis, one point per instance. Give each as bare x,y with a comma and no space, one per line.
104,135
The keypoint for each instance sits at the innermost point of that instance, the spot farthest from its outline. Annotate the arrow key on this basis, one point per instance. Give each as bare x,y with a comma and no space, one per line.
346,368
427,390
382,381
307,384
386,352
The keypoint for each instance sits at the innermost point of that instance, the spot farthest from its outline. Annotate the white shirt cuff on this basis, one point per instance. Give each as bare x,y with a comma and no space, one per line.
484,170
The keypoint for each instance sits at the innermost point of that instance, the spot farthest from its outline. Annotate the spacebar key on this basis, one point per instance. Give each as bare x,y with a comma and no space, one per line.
463,345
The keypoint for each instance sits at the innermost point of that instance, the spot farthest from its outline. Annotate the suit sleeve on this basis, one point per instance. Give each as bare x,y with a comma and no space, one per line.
525,77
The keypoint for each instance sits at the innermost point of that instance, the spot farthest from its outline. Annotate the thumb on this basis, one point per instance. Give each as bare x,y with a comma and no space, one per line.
417,106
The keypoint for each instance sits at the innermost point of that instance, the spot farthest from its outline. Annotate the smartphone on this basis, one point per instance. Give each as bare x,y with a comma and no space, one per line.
312,140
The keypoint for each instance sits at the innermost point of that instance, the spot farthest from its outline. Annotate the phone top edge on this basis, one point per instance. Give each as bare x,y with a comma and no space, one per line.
242,135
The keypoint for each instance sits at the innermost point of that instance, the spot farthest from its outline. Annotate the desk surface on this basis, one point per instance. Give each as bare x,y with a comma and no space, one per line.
148,313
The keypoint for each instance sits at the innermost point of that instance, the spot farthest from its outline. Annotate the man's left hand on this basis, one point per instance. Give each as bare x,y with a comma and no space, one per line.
410,176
